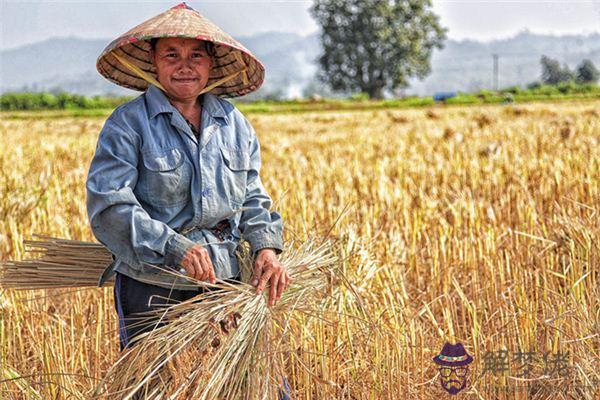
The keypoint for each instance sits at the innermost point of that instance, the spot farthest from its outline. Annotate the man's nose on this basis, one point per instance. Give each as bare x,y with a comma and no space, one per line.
185,65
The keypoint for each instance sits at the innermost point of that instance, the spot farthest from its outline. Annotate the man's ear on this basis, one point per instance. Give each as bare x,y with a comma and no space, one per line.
152,54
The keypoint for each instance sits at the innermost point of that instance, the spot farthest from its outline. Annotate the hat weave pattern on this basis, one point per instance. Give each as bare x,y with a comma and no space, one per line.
231,57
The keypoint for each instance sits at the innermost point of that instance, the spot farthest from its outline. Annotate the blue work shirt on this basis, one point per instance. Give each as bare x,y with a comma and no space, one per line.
154,190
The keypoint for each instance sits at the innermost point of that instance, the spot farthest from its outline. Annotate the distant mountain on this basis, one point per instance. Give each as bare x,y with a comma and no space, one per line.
65,63
290,61
467,65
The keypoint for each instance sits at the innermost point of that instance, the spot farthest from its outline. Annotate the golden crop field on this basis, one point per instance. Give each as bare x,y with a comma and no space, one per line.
478,225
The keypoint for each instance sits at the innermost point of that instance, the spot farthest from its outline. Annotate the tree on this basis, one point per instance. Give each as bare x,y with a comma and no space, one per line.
373,45
587,72
553,73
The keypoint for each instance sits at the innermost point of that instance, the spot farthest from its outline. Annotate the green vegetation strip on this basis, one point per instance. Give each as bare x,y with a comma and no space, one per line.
300,106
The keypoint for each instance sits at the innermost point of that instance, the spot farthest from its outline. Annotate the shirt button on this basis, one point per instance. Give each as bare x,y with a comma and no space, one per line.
205,192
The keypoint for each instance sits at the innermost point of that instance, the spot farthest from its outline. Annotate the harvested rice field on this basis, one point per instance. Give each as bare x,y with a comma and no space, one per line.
471,225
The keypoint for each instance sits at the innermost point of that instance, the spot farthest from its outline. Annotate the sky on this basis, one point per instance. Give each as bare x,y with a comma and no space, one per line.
24,22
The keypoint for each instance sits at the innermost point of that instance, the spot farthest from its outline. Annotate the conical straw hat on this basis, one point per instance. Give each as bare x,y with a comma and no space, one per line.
126,60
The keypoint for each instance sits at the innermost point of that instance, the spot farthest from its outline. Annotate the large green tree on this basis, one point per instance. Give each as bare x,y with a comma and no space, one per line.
373,45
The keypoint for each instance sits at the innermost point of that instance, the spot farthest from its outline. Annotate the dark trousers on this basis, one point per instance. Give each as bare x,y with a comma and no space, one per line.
133,297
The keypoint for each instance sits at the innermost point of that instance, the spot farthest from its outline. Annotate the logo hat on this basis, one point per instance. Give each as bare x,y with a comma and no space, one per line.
453,355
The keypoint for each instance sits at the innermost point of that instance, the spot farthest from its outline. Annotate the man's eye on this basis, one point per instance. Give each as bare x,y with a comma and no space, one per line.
197,55
170,55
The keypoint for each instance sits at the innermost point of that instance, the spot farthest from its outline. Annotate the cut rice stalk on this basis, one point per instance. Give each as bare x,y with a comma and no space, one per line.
183,359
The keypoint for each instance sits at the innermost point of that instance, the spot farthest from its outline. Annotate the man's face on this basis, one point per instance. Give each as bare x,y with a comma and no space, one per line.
182,66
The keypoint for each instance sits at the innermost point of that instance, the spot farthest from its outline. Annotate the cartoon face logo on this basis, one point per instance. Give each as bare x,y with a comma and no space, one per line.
453,363
453,379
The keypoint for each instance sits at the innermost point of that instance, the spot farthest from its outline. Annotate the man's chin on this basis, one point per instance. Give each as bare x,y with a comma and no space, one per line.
185,91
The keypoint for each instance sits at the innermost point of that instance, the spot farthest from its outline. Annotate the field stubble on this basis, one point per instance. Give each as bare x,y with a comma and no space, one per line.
471,224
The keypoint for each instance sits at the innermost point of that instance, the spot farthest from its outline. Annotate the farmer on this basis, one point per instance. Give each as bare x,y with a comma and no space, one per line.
175,178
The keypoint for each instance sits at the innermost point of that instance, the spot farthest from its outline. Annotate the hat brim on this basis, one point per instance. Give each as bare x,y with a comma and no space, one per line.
181,22
445,363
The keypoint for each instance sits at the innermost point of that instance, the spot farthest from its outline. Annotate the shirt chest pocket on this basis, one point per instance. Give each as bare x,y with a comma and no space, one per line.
235,173
165,177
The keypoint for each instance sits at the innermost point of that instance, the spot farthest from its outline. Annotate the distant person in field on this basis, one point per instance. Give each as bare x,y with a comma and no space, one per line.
175,178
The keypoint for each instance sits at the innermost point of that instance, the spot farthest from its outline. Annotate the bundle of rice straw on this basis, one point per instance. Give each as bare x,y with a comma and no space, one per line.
224,343
59,263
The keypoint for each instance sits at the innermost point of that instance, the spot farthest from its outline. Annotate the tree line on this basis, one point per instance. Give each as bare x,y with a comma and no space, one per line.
553,73
59,101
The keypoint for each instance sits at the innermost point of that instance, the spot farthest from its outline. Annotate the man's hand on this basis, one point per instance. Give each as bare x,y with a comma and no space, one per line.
267,268
197,264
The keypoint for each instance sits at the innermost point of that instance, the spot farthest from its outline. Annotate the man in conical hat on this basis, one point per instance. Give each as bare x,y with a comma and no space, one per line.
175,178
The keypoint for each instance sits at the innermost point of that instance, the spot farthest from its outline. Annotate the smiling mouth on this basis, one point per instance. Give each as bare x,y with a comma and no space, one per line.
185,80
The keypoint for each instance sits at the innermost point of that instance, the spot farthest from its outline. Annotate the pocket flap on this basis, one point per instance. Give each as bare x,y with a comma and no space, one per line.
163,161
237,160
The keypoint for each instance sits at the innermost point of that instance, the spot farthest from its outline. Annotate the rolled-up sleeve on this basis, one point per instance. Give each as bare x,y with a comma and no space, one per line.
117,219
261,227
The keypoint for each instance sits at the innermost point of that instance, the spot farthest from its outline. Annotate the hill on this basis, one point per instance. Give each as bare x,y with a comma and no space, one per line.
290,60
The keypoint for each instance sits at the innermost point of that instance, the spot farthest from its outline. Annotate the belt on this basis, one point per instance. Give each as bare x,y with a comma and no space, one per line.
218,228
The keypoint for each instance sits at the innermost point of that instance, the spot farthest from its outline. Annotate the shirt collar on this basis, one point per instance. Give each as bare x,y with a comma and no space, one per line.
157,102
